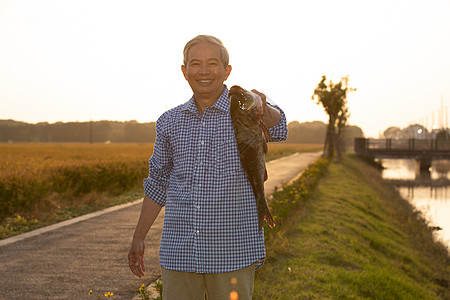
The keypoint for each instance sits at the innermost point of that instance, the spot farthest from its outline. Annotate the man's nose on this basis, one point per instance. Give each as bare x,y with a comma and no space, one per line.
204,69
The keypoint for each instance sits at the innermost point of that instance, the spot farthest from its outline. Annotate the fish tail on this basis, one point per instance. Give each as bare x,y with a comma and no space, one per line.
269,219
266,216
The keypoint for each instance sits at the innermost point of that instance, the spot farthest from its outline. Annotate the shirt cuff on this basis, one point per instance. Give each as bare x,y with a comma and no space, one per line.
157,195
278,132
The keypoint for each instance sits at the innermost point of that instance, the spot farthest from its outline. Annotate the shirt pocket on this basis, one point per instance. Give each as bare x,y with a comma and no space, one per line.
227,156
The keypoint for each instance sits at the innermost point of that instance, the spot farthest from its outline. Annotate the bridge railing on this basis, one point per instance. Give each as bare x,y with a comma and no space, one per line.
362,144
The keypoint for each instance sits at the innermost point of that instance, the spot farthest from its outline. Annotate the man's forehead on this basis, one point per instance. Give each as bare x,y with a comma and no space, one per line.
204,51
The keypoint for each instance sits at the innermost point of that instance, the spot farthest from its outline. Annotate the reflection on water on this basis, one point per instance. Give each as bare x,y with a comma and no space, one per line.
433,202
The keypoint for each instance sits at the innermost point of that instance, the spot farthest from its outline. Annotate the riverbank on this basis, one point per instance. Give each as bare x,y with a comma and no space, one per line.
353,237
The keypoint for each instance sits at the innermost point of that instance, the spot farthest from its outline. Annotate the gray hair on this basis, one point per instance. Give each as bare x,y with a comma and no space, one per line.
208,39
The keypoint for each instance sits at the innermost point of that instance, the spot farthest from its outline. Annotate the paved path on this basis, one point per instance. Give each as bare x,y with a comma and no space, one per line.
68,259
287,168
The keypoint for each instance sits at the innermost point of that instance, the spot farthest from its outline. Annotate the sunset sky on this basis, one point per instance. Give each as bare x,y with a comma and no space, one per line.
67,60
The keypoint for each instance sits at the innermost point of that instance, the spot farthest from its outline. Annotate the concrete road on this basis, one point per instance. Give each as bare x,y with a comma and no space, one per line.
285,169
68,259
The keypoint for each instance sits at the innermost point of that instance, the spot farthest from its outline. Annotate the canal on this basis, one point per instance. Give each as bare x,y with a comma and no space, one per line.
431,198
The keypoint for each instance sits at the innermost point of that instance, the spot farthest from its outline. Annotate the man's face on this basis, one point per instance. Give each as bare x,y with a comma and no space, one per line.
205,72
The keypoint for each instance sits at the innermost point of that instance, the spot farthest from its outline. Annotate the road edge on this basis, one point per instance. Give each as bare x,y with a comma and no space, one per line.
61,224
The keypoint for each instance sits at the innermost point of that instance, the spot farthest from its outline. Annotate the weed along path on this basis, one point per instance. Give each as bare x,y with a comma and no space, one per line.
67,260
287,168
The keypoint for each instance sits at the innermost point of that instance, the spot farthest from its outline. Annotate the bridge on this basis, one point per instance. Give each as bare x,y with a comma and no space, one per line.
422,150
420,182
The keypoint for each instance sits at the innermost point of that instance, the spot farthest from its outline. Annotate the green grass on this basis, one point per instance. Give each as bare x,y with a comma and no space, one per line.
351,237
56,209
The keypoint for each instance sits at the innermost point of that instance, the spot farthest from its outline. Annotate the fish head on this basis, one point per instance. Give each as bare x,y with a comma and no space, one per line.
243,102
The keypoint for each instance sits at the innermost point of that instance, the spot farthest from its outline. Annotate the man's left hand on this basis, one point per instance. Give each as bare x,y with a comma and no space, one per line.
271,116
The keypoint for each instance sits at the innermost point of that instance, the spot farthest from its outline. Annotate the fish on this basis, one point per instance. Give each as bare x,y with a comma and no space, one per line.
246,110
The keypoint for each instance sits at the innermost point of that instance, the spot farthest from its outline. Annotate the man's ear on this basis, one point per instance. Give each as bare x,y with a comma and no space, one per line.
227,71
183,69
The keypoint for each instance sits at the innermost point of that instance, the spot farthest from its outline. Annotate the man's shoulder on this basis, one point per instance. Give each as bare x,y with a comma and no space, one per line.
172,116
174,112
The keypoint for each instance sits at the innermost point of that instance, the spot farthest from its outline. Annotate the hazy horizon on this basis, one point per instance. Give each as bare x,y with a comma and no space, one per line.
75,61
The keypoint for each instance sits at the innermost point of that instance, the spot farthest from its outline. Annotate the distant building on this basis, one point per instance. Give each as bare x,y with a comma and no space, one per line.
440,134
416,131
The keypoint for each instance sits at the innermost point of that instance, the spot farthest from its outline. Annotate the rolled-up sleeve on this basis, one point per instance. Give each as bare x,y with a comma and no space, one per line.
279,132
160,164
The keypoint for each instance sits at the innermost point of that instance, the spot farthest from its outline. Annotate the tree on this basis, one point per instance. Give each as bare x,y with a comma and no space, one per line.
333,98
393,132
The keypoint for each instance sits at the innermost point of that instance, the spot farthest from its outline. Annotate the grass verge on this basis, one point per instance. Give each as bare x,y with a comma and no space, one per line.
351,237
56,208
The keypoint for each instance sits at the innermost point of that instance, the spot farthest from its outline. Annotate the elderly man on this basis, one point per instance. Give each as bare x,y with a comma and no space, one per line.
210,242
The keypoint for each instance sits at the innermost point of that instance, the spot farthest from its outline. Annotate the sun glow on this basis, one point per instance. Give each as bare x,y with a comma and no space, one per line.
83,60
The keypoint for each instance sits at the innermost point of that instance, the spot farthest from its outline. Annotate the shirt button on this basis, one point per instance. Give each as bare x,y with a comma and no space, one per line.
197,232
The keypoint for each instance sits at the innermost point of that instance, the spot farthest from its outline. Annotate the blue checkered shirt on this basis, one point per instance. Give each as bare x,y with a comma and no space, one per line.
211,221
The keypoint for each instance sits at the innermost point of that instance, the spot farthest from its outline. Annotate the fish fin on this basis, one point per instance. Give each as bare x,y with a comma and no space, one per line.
266,131
269,219
265,173
265,148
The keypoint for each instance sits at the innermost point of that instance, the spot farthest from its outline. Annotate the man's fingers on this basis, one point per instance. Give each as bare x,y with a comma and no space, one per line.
136,264
136,257
137,271
260,94
263,98
142,265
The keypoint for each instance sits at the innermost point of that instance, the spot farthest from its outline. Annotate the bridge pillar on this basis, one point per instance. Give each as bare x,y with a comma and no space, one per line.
360,145
424,163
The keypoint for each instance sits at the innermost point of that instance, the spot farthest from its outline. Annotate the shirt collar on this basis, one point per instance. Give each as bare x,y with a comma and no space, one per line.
222,104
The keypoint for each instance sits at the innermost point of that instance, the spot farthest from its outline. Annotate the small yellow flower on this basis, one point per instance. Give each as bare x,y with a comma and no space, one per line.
141,288
90,292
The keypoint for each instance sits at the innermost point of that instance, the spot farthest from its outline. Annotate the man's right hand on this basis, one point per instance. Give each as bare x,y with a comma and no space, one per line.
136,257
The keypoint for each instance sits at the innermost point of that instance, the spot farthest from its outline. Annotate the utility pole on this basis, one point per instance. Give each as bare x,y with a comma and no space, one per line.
442,113
90,131
432,121
446,112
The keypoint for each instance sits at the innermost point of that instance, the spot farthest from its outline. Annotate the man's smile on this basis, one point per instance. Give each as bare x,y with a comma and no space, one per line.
205,81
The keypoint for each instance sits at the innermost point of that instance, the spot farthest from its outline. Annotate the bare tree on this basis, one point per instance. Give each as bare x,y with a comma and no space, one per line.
333,98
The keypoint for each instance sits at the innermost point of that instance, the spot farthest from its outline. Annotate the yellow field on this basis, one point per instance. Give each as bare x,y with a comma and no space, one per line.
30,172
34,176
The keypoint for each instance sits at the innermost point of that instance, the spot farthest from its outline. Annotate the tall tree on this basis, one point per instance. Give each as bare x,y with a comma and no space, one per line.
333,98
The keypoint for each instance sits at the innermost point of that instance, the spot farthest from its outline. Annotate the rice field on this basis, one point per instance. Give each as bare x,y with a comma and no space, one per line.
31,172
38,177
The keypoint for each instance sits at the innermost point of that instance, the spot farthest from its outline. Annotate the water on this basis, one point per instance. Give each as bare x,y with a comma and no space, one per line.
432,202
